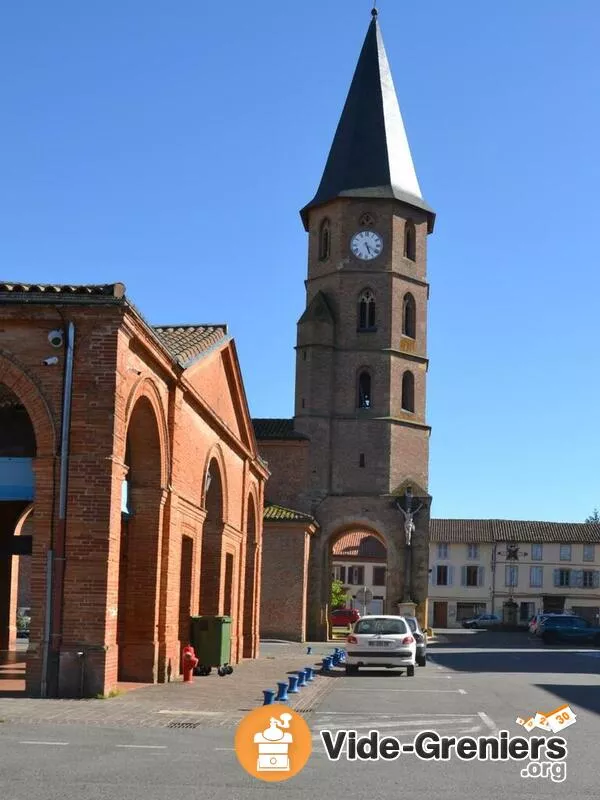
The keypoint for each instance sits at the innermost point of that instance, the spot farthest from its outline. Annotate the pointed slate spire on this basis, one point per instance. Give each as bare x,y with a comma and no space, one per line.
370,155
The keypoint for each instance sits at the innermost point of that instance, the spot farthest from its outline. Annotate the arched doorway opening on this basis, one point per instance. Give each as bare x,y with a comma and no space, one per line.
18,450
212,600
358,571
250,598
141,535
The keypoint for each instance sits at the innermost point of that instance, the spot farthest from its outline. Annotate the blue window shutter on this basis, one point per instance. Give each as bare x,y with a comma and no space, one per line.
433,575
557,577
579,577
596,580
450,575
463,576
481,576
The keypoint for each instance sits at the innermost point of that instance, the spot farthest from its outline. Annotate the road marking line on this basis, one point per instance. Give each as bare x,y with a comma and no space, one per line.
182,712
61,744
429,691
225,749
462,691
389,716
143,746
487,721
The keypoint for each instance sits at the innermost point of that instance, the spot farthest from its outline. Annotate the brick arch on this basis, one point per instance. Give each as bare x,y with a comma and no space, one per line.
216,454
351,527
146,388
23,519
15,377
251,579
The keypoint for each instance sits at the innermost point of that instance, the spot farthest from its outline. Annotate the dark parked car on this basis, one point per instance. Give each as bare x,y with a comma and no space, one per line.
421,640
569,629
482,621
343,617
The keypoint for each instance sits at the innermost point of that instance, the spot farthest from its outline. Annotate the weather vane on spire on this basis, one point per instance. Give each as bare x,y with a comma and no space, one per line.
374,10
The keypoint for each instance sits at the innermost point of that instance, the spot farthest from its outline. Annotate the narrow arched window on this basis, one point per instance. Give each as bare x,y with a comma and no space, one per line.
410,240
408,392
409,316
366,311
364,390
324,240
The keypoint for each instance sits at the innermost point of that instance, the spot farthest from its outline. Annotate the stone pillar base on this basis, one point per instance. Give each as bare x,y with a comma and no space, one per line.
407,609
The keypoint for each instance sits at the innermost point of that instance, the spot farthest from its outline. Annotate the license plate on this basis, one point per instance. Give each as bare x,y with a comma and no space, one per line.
379,644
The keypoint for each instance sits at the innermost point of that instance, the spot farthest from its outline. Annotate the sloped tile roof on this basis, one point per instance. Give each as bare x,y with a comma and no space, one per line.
186,342
276,429
359,544
465,531
38,291
272,511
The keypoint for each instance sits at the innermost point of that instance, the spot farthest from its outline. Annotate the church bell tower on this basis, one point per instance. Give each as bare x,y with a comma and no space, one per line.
361,354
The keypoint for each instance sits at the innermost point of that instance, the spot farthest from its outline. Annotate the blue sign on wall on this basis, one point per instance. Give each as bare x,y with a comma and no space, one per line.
17,481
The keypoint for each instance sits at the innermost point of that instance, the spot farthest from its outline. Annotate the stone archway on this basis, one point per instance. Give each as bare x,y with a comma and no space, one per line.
18,450
212,601
141,546
250,582
357,557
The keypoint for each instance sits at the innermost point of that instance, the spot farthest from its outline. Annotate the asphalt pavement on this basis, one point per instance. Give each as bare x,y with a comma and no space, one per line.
474,685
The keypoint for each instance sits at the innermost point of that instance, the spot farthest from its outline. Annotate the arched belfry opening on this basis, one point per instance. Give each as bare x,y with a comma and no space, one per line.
357,566
18,451
141,543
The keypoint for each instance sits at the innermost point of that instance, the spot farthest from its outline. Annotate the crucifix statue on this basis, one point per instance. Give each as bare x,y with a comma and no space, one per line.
409,515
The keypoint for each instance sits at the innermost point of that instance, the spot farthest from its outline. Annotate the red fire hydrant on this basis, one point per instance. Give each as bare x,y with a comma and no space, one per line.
190,662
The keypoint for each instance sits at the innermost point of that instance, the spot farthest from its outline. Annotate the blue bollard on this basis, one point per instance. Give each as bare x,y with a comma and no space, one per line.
301,679
329,662
293,681
282,694
308,651
324,665
309,673
269,695
335,659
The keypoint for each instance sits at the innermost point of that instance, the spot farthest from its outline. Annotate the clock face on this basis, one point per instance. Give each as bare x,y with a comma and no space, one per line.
366,245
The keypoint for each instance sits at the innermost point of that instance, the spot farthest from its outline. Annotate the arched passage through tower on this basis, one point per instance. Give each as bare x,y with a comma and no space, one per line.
250,582
212,599
18,450
357,557
141,535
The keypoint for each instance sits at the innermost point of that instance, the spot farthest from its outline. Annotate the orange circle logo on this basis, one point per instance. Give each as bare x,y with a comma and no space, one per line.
273,743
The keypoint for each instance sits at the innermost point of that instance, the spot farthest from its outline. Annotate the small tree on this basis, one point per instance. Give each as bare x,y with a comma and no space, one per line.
595,517
338,595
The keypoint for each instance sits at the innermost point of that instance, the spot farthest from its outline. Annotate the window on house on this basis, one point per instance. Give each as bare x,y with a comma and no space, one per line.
324,240
536,576
526,611
511,575
228,587
366,311
472,576
588,579
356,576
473,551
410,240
364,390
361,460
565,552
408,392
339,573
536,552
378,576
442,575
409,316
588,552
443,550
564,577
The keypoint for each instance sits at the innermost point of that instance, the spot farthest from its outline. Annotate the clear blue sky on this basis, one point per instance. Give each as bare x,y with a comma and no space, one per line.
170,145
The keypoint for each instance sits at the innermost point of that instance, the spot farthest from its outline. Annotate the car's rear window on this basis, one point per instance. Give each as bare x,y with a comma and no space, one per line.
383,626
412,624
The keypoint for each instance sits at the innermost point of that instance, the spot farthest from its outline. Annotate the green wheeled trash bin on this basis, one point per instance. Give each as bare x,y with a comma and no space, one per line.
211,639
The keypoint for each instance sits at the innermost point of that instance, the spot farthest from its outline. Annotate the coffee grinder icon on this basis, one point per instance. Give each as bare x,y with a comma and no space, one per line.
273,745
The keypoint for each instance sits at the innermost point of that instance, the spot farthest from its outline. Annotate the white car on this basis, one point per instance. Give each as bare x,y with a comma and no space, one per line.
381,641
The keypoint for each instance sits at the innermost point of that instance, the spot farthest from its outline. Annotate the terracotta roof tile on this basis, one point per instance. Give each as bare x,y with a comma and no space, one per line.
276,429
27,292
465,531
272,511
359,544
185,343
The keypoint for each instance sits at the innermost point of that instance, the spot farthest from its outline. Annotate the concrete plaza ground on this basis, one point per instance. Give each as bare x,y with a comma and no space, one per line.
475,683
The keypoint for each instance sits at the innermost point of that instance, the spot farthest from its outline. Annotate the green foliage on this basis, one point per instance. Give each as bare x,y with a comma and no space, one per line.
595,517
338,595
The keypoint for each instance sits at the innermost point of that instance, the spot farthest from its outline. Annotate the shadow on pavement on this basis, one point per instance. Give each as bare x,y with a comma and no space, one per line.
577,696
550,660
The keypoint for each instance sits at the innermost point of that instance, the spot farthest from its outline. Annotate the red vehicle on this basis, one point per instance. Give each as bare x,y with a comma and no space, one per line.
342,617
